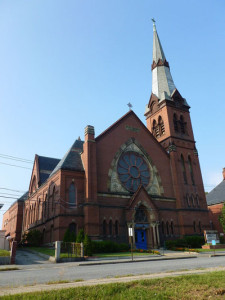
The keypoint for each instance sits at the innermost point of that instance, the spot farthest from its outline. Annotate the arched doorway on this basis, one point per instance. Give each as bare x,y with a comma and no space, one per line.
141,225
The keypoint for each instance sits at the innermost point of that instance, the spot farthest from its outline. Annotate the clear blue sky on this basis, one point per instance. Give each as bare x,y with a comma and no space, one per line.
67,64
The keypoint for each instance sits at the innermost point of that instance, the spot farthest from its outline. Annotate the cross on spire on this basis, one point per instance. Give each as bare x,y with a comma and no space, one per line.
129,105
153,20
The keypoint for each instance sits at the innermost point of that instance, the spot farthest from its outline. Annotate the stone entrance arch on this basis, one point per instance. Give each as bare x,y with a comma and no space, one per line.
143,217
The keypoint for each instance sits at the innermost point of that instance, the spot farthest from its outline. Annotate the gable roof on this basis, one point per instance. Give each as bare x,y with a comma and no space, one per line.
46,166
124,117
72,159
217,195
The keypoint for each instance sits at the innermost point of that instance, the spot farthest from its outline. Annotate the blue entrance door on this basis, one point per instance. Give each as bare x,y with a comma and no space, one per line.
140,239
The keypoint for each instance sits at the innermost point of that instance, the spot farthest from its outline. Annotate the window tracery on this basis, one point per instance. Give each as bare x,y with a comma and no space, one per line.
133,171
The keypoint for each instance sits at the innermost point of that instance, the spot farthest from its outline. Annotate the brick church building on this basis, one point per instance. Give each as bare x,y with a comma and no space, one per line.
131,175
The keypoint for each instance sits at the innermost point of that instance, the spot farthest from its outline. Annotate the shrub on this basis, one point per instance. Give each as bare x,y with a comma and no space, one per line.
80,236
108,247
194,241
69,236
87,245
32,238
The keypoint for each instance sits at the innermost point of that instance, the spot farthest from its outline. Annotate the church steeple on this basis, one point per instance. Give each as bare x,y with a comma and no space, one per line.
167,112
162,81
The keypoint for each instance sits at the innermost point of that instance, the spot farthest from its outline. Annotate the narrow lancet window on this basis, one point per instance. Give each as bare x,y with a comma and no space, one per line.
183,168
72,195
191,170
175,123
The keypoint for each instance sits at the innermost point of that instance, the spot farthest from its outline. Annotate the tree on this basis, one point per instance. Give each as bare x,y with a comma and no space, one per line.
222,217
33,237
80,236
69,236
87,246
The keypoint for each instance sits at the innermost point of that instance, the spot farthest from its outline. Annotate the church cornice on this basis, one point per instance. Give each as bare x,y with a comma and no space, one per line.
178,138
160,63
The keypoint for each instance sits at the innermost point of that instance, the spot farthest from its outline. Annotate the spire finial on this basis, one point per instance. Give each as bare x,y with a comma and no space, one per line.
129,105
154,28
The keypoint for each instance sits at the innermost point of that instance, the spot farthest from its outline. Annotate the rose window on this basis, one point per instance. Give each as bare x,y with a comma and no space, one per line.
132,171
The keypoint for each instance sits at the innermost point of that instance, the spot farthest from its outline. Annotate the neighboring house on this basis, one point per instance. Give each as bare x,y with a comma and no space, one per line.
13,218
215,200
131,175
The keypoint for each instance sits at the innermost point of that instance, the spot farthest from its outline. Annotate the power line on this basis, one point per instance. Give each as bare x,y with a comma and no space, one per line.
15,166
1,188
16,158
8,197
8,194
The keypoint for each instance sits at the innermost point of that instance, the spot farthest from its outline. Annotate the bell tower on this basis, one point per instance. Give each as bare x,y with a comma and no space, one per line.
168,119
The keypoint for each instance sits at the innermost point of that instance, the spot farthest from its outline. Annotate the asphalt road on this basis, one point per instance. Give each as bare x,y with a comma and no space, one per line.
41,271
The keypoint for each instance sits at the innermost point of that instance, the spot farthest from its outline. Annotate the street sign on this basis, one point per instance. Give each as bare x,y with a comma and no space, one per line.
130,231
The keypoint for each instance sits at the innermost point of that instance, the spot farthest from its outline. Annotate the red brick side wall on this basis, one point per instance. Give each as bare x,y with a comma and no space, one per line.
214,213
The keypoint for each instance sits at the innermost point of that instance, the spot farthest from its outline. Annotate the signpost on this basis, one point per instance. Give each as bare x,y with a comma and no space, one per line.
214,244
131,234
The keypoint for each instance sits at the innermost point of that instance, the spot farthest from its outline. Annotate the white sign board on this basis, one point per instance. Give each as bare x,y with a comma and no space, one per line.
130,231
211,235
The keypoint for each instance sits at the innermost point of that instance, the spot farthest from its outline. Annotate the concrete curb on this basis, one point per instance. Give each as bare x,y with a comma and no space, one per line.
119,261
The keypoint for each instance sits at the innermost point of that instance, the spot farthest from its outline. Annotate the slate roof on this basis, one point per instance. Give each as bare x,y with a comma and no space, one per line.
217,195
72,159
24,197
46,166
21,199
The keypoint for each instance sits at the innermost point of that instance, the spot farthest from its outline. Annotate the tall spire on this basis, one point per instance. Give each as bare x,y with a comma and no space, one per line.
162,81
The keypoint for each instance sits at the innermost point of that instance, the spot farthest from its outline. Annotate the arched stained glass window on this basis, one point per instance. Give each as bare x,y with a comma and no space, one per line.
172,228
110,227
133,171
154,126
72,194
167,228
194,226
104,228
53,199
182,124
162,226
116,228
183,168
200,226
191,170
161,126
175,123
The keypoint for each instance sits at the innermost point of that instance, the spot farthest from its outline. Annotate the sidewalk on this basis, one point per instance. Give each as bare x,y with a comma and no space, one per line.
165,255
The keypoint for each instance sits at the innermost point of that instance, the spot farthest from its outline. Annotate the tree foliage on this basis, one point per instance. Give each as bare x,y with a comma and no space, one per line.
87,246
80,236
69,236
33,238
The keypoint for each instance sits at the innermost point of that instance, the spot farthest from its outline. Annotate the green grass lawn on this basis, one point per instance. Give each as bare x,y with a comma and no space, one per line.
209,250
51,252
44,250
4,253
204,286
